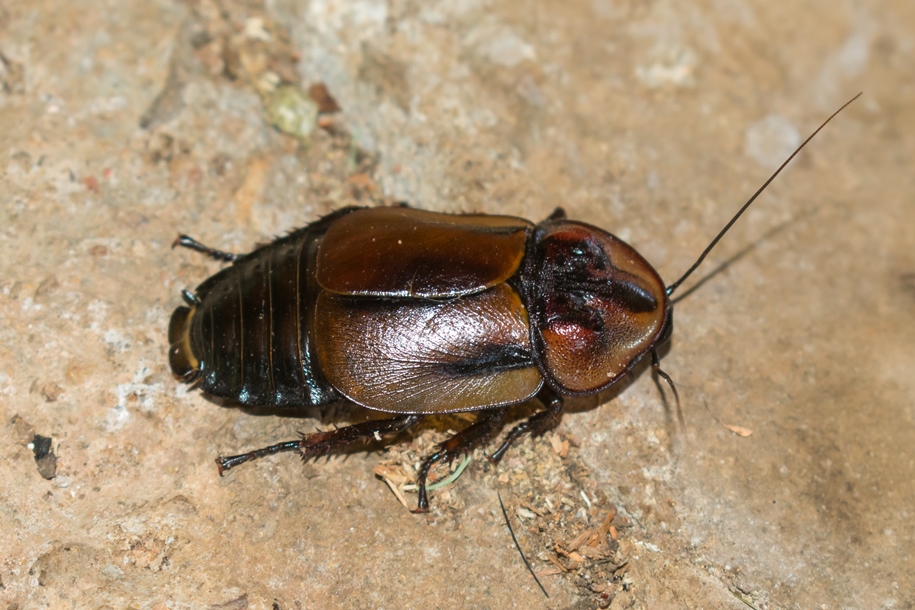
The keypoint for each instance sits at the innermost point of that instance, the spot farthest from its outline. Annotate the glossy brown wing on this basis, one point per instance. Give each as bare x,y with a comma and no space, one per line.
412,253
419,356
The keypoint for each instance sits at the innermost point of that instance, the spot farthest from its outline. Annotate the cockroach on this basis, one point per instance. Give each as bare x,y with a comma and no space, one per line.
417,313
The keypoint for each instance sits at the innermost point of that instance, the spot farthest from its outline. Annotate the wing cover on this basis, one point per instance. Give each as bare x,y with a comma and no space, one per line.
420,356
402,252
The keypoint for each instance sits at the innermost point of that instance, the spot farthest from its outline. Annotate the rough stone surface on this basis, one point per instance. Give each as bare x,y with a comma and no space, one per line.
123,123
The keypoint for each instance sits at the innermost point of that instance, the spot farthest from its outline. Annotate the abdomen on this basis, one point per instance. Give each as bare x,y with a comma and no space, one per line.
249,338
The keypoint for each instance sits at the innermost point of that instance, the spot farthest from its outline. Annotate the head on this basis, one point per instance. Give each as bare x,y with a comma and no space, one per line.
596,306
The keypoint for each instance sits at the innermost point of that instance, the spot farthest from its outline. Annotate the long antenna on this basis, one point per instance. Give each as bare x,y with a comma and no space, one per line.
675,285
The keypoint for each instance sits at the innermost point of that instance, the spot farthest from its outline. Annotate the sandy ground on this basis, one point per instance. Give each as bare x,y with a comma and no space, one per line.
123,123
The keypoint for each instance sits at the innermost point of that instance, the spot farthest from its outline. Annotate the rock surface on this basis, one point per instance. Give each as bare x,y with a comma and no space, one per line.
125,123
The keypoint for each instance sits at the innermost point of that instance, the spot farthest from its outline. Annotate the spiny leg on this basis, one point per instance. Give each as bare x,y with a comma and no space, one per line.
537,424
317,443
656,368
186,241
457,444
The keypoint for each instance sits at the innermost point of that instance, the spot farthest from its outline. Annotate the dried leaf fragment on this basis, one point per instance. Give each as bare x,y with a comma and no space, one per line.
578,540
605,527
550,571
394,478
322,97
560,447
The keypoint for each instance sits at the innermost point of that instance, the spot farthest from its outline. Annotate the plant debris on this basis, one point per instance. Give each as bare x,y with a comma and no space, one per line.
567,526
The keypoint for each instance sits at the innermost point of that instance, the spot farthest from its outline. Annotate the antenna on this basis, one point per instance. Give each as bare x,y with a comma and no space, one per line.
670,289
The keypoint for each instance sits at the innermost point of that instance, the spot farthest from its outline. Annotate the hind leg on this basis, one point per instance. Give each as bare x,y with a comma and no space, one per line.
319,443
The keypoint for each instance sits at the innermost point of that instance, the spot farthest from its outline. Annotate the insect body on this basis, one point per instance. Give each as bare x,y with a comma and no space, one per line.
416,313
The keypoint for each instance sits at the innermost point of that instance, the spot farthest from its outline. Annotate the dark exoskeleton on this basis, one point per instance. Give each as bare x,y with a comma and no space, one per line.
417,313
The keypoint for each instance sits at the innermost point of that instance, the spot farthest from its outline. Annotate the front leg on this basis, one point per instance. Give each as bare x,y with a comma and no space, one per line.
537,424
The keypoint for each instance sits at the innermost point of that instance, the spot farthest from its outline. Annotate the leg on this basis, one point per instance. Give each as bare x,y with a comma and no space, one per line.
459,443
656,368
190,243
311,445
537,424
558,214
190,298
